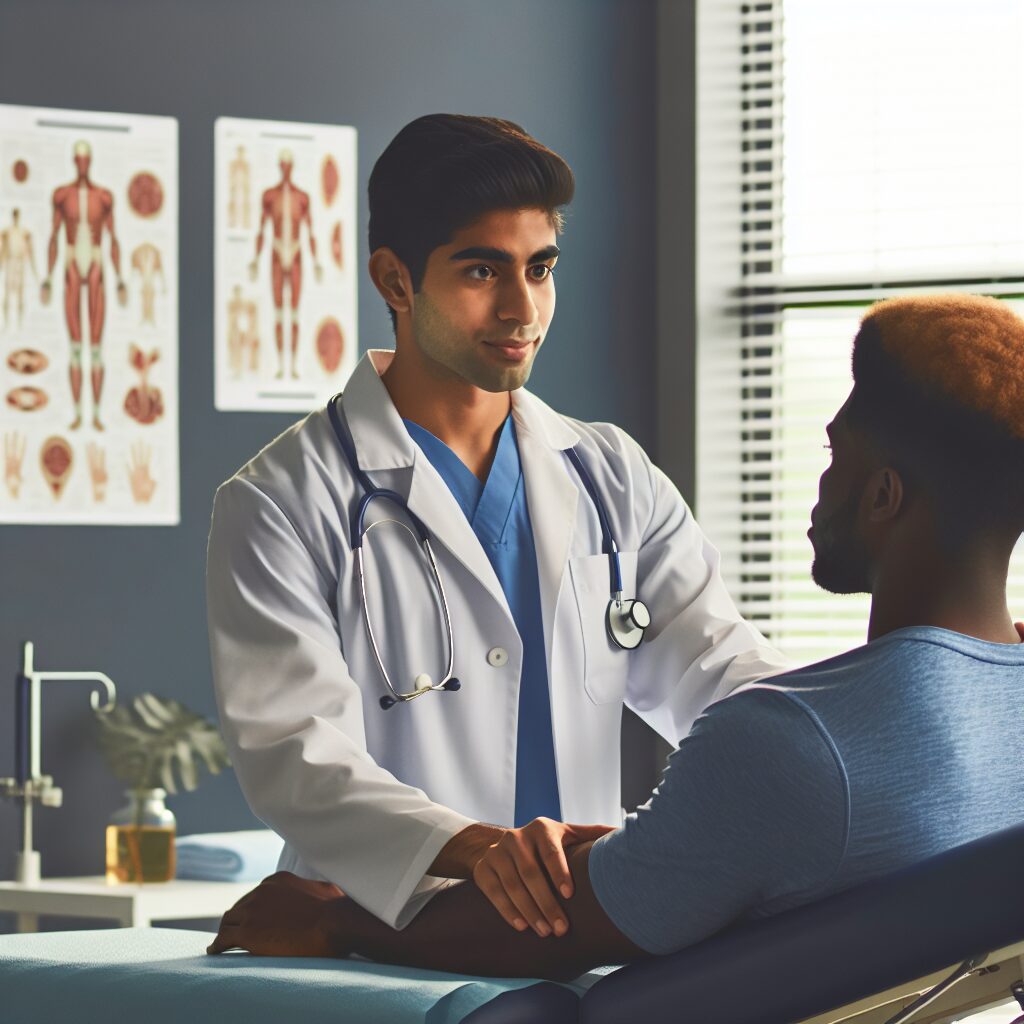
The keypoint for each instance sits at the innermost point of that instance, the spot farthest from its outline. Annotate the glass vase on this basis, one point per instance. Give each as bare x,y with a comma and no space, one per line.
140,839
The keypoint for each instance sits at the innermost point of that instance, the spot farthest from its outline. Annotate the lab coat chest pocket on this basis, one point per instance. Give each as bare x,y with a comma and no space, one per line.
605,666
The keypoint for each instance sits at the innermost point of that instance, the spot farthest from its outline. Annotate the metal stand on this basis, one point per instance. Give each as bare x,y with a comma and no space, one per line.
967,968
29,783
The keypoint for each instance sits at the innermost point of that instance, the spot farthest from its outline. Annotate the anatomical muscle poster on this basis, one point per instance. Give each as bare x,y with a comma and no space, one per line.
89,328
285,245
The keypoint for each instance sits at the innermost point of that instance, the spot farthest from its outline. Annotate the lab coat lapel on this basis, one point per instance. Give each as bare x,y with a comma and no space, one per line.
551,495
387,452
431,499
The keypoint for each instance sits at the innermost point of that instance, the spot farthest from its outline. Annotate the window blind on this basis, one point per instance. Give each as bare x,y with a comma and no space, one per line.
878,155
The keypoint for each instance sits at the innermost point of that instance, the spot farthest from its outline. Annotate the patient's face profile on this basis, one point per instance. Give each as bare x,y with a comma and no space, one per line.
841,559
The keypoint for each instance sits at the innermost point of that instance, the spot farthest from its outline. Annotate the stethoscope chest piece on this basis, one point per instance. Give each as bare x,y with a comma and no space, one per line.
626,622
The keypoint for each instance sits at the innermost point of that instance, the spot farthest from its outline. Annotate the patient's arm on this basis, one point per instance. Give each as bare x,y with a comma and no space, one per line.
752,811
459,930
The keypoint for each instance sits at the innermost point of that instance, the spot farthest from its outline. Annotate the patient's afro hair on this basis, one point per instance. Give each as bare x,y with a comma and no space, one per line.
939,388
968,348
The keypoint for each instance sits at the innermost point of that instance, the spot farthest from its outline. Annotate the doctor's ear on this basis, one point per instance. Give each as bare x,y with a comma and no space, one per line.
391,278
884,494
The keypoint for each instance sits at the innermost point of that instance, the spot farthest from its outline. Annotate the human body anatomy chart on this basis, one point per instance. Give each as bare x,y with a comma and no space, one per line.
285,294
89,335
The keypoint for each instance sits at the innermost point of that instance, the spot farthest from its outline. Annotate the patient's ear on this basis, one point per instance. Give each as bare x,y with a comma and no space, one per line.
883,495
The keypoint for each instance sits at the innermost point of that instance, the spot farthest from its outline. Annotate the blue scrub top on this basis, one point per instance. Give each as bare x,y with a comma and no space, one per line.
500,519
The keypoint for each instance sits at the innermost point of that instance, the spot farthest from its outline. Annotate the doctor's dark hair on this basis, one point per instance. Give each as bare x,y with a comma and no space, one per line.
441,172
939,395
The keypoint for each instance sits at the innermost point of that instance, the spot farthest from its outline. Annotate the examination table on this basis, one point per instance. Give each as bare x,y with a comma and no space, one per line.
870,950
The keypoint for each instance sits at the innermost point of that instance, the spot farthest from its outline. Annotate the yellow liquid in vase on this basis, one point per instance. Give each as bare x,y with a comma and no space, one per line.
143,853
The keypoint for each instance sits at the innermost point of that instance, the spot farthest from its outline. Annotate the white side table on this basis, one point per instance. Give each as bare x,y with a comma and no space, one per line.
132,906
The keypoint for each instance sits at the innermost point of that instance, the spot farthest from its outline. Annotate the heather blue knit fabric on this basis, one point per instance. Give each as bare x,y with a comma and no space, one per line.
819,779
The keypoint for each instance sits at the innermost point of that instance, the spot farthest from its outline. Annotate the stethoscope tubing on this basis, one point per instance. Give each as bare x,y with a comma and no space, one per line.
608,541
358,529
447,678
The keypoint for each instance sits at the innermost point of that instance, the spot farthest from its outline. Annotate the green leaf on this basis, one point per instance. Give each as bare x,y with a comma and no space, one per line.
152,712
186,766
145,743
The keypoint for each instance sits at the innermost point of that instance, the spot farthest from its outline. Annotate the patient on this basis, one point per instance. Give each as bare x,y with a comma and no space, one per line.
817,780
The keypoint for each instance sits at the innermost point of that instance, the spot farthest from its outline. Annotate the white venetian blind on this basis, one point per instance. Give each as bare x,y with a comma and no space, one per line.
879,153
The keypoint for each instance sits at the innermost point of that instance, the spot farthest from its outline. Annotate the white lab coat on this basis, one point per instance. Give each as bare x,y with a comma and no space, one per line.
367,798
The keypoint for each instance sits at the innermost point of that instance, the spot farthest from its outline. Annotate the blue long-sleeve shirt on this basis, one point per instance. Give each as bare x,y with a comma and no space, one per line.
820,779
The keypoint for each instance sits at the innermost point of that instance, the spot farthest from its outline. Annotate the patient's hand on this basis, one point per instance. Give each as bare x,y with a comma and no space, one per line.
284,916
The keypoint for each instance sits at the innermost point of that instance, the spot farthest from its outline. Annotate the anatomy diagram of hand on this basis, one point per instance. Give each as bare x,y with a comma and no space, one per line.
143,485
14,456
97,471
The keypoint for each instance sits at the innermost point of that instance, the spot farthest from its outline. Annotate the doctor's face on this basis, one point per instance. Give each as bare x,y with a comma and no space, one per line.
841,560
487,299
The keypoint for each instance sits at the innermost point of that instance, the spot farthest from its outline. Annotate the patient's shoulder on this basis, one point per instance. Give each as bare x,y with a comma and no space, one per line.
761,740
766,716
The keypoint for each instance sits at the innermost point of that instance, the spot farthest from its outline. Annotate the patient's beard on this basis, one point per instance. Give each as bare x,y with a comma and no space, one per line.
840,556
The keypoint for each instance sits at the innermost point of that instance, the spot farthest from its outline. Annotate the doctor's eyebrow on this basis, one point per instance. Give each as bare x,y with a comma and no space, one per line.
486,252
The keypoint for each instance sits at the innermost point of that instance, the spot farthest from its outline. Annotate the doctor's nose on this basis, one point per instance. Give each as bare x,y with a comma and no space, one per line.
515,303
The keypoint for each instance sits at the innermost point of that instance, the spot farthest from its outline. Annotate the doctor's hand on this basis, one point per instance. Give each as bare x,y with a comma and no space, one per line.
284,916
521,872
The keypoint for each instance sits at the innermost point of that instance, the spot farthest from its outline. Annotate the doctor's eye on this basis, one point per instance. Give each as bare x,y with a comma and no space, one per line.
480,266
548,271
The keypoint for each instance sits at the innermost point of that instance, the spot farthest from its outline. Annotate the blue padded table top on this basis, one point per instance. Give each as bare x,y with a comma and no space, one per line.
163,976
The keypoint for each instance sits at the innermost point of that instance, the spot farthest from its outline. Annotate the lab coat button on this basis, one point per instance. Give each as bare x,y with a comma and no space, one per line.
497,656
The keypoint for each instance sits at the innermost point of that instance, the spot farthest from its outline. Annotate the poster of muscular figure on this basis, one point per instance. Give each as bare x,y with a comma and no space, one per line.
285,238
89,333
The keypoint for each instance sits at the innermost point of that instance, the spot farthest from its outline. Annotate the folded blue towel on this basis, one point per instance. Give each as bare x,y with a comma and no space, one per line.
246,856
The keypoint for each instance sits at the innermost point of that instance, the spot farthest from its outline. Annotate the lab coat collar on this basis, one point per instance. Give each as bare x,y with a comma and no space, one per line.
538,419
383,443
380,437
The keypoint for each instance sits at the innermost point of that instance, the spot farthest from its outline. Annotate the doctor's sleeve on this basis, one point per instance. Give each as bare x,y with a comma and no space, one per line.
698,648
750,818
292,715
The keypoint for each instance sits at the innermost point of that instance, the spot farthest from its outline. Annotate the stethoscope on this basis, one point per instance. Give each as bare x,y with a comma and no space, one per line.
625,619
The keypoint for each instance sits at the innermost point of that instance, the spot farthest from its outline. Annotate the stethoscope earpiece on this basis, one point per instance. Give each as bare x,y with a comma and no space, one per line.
453,684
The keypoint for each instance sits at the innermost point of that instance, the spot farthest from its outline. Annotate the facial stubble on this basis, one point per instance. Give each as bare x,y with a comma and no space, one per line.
840,556
443,344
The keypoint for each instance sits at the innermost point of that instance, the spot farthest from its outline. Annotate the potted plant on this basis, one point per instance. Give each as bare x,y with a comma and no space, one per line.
146,744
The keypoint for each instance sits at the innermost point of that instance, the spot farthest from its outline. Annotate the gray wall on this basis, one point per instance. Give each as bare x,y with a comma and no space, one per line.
578,74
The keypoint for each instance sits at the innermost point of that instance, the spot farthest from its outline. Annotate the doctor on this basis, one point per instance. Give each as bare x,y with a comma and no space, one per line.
400,726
